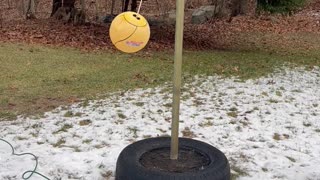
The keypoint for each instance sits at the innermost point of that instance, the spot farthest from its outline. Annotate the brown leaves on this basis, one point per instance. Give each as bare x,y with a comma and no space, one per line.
216,34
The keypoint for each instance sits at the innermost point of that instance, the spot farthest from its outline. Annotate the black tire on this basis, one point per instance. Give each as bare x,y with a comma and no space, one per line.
130,168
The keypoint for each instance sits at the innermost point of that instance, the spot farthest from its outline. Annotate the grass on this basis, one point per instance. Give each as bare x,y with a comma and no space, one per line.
7,115
59,143
307,124
85,122
276,136
68,114
238,173
188,133
291,43
291,159
233,114
134,131
207,123
35,79
64,128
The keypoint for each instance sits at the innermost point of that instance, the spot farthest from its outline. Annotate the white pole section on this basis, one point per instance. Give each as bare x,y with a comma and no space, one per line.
177,80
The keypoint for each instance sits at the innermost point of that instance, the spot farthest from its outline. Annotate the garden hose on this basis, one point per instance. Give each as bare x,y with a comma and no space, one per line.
25,175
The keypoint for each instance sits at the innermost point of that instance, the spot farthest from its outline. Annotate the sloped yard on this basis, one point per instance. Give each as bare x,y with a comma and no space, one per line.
257,98
269,127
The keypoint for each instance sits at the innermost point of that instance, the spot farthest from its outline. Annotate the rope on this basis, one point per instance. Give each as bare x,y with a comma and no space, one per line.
139,6
31,173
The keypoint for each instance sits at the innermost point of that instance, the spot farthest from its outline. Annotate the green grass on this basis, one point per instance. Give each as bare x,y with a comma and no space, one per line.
238,173
35,79
64,128
243,64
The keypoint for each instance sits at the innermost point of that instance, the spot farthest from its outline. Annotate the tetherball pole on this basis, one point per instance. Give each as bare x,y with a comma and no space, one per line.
177,80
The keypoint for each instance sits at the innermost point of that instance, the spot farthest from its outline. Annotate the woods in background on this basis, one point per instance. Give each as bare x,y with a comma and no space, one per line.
78,11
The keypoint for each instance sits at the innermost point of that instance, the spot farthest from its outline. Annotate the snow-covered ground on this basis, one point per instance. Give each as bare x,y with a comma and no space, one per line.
268,128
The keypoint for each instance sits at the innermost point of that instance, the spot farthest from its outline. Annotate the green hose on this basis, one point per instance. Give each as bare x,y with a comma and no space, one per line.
25,175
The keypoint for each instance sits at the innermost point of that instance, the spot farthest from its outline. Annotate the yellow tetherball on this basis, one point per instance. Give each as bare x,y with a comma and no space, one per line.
129,32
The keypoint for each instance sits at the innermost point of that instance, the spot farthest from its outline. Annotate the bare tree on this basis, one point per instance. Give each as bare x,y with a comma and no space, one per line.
96,8
134,5
65,4
9,4
243,7
1,19
31,10
65,10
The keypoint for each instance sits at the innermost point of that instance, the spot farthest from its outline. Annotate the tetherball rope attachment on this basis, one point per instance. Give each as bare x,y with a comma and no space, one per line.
25,175
139,6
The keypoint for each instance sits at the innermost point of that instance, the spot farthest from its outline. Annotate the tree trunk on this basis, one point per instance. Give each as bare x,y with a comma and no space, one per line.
65,10
31,10
96,9
56,4
133,5
243,7
126,5
249,7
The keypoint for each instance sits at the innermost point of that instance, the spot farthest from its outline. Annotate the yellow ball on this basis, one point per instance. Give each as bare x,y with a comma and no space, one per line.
130,32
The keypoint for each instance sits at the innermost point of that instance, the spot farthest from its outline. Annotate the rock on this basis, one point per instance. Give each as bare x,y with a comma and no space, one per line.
199,16
107,19
202,14
156,22
209,11
167,18
218,9
172,14
171,17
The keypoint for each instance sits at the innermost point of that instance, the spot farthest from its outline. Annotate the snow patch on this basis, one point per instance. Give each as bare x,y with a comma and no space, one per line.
268,128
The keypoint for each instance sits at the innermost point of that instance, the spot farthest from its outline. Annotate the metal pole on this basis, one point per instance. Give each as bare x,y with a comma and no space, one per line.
177,80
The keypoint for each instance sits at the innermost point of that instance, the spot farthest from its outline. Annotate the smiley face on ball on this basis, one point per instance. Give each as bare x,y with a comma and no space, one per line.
130,32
